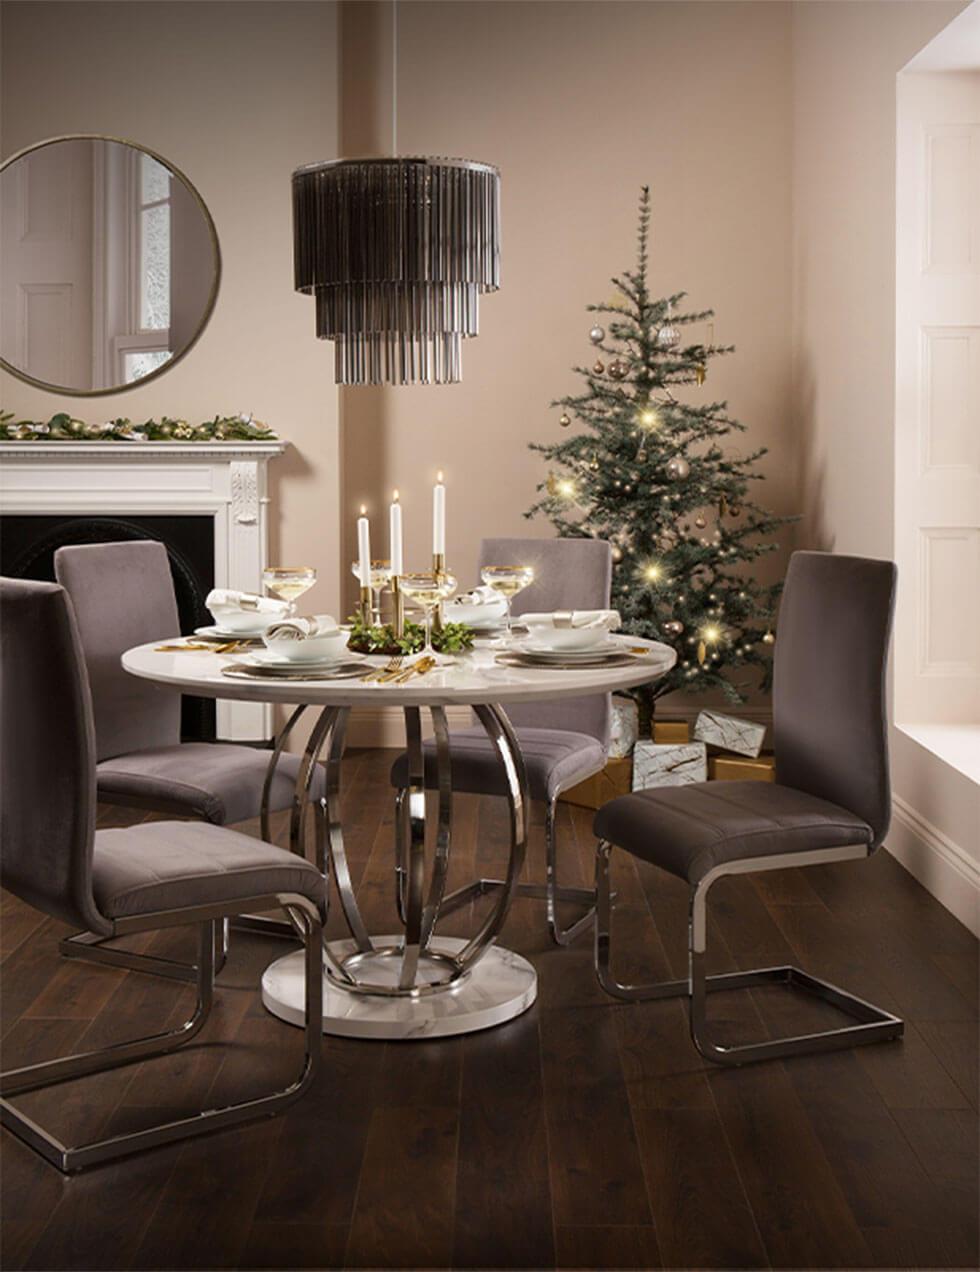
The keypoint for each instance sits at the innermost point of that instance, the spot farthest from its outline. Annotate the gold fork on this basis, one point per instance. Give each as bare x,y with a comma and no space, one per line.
417,668
379,673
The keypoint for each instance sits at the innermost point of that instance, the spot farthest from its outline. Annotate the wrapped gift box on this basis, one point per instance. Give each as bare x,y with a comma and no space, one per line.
744,737
623,728
671,731
599,789
669,764
731,768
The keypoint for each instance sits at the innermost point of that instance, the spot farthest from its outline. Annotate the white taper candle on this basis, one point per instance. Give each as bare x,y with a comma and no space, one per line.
395,536
364,547
439,517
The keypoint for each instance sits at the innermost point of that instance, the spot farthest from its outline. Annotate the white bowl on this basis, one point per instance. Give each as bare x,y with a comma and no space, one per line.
565,638
238,620
314,648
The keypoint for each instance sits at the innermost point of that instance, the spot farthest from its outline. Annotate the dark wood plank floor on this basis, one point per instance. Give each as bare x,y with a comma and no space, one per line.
586,1134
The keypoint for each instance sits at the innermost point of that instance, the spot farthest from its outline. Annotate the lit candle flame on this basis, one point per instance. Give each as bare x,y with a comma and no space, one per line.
395,496
439,475
363,510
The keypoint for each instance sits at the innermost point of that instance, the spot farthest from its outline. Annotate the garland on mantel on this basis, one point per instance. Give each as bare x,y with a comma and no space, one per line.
63,427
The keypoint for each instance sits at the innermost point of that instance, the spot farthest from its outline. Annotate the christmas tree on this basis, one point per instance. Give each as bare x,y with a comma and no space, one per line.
645,471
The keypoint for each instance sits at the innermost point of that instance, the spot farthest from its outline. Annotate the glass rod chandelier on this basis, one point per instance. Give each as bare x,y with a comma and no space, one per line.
395,253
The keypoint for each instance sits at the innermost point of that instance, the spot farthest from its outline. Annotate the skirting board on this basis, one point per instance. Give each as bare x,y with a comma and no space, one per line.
941,866
383,726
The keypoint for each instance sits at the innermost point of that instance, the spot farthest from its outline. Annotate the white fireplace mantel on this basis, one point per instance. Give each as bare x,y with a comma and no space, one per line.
224,480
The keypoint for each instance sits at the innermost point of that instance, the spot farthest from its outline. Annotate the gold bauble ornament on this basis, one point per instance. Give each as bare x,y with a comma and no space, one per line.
702,652
673,627
700,521
769,638
617,554
564,420
678,468
23,432
76,427
735,510
598,367
166,429
594,464
700,372
641,457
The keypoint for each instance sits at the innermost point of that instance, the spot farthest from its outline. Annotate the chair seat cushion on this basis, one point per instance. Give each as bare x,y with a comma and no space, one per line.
689,830
216,782
171,865
554,759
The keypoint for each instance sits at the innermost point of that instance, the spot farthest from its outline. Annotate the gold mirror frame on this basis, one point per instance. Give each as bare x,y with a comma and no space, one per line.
212,295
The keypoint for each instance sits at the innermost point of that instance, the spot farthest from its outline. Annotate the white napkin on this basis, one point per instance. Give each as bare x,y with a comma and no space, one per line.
303,628
605,618
226,598
482,605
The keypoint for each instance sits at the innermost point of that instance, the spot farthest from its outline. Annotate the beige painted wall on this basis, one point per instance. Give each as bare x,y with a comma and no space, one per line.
846,57
580,104
237,95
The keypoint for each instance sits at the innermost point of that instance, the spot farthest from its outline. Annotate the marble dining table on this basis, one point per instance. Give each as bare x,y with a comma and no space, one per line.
412,983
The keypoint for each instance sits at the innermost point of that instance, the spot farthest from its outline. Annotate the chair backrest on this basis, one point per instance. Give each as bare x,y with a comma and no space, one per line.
47,755
123,595
829,713
568,574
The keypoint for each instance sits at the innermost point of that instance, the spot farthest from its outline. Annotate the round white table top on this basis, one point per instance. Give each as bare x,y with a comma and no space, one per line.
474,678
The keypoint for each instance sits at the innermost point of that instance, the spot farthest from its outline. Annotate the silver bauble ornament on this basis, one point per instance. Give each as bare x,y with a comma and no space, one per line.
673,627
668,337
564,420
597,334
769,638
678,468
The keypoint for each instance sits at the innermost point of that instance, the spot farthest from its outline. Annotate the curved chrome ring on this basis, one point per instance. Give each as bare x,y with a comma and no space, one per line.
270,772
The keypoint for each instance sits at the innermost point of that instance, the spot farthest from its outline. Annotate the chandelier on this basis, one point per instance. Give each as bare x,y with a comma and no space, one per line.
395,253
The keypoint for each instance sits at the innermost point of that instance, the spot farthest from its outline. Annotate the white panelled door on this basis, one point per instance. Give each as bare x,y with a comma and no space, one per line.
937,455
46,248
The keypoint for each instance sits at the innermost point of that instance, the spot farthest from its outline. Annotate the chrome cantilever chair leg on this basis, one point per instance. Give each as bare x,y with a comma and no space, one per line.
551,892
33,1077
872,1023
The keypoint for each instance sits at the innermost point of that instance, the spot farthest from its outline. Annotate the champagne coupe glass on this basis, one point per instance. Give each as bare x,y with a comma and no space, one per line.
428,589
289,582
380,578
507,580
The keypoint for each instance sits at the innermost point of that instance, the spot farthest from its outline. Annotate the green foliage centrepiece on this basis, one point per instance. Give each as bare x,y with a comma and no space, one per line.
645,471
453,638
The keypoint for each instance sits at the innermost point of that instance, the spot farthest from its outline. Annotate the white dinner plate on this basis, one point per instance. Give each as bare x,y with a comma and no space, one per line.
222,633
547,654
266,658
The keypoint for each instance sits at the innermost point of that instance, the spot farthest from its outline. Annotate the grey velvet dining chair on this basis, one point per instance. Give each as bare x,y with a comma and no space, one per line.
830,802
115,882
562,742
123,595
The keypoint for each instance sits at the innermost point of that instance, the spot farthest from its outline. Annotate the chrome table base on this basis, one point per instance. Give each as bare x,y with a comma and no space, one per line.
415,984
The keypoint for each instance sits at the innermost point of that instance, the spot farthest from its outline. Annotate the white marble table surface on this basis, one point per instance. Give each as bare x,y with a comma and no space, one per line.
473,678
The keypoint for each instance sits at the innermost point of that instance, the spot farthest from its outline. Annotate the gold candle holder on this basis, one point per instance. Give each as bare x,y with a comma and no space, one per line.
366,607
397,607
438,568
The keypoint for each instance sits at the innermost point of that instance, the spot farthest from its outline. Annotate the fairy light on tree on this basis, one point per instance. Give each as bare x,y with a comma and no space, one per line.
644,469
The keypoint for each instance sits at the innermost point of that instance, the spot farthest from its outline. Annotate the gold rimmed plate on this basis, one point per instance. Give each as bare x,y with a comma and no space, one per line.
252,671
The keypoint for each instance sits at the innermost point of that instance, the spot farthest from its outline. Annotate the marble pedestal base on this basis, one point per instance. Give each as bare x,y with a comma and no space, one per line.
498,988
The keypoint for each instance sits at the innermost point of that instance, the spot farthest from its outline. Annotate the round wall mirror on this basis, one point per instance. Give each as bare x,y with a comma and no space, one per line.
110,265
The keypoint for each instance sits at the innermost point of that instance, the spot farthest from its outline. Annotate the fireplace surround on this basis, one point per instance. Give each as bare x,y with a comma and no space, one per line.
176,492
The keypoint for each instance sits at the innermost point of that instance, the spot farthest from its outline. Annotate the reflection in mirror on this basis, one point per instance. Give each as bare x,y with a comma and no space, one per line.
110,265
